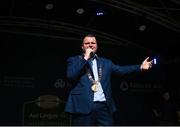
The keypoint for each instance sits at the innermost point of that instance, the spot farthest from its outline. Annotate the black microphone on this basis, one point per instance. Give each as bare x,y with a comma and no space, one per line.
92,54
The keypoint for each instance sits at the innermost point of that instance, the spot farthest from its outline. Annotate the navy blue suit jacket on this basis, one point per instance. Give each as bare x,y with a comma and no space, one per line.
80,99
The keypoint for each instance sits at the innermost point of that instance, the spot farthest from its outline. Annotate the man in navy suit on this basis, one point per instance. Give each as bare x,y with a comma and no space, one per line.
90,100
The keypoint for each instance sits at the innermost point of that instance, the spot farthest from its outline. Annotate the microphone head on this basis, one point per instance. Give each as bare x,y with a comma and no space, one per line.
92,54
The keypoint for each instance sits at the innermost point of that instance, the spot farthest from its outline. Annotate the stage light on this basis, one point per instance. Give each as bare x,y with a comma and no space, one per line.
49,6
154,61
80,10
99,13
142,27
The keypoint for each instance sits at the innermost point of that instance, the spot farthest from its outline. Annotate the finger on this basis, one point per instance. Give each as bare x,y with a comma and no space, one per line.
147,58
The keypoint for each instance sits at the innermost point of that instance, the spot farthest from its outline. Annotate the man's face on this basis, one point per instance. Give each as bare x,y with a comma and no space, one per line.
89,42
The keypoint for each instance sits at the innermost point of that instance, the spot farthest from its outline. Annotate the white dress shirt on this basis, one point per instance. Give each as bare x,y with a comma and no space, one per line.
99,94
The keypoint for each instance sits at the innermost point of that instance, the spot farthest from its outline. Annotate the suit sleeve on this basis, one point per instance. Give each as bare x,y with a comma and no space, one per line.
75,67
125,69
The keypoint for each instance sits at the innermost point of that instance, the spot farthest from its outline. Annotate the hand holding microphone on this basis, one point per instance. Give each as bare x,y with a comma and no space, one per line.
88,53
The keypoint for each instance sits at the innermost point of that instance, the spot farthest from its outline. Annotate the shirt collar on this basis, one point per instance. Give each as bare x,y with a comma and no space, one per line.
94,57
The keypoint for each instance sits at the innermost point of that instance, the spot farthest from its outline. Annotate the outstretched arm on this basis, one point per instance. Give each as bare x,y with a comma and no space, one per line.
146,64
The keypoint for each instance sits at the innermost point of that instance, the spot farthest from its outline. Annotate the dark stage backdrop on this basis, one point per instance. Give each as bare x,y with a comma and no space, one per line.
34,88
